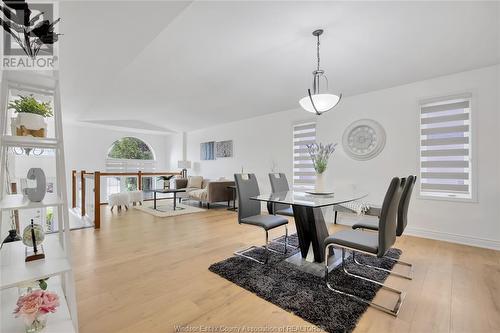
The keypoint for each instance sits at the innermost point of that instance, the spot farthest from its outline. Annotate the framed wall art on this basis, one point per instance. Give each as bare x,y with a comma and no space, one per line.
224,149
207,151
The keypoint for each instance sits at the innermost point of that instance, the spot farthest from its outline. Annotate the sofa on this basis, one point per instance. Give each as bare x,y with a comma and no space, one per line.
205,191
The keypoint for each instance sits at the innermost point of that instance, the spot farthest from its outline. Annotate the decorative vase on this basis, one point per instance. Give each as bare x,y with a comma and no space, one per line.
12,237
30,286
29,124
320,183
37,325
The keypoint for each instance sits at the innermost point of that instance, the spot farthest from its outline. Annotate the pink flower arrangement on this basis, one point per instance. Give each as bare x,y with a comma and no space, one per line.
36,303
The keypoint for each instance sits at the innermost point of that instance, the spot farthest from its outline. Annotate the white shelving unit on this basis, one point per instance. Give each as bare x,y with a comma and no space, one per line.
59,322
14,271
26,141
19,201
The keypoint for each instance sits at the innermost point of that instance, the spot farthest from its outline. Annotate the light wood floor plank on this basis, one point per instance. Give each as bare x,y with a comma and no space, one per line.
141,273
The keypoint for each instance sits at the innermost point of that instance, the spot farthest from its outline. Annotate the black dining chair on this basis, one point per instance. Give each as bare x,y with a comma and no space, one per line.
407,185
249,213
370,243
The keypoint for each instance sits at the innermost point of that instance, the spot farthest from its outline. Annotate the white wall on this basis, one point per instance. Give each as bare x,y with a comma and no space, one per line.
396,109
258,144
260,141
86,147
174,150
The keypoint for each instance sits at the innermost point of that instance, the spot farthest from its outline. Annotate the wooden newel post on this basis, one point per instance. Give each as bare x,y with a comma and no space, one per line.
73,189
139,180
97,200
82,178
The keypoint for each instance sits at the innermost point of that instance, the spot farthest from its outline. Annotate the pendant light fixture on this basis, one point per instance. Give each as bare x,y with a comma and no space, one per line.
318,102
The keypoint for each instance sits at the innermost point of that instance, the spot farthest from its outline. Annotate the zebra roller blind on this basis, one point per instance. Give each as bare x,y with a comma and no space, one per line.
304,175
445,148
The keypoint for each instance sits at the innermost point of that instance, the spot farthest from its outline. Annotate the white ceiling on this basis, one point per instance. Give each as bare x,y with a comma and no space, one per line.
183,66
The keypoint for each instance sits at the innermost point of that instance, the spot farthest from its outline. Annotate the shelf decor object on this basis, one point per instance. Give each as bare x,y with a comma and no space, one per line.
33,236
57,265
34,307
12,237
320,154
31,114
363,139
319,102
37,193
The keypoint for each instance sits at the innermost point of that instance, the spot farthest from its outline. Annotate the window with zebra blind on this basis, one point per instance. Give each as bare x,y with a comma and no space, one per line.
445,148
304,176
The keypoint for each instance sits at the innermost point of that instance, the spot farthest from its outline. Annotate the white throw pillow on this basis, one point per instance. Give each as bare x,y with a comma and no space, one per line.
195,181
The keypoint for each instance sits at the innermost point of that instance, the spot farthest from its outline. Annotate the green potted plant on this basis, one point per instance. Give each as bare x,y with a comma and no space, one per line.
31,114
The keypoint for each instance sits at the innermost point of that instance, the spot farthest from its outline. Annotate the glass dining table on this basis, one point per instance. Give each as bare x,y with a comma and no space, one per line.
308,215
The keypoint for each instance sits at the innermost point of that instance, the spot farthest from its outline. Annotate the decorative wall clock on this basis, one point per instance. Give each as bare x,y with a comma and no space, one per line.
363,139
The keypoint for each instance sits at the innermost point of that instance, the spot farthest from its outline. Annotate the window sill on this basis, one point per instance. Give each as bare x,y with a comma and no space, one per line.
449,199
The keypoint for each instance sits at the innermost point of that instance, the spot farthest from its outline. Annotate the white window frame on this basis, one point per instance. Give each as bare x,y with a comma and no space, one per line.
473,165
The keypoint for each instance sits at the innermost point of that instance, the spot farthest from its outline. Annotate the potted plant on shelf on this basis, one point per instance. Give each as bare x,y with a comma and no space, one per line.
33,308
31,114
320,154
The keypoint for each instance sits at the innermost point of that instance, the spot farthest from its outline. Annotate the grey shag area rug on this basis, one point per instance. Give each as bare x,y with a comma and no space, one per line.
303,294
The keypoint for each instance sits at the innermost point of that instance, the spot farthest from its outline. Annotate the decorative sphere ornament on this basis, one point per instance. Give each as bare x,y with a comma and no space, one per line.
28,235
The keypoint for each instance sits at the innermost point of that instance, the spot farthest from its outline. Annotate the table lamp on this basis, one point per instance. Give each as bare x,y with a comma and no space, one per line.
184,165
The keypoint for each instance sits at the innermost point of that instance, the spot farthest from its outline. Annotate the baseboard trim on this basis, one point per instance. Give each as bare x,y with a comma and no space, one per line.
441,236
454,238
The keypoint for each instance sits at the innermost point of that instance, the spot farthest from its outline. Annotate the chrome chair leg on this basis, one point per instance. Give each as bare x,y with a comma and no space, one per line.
285,243
401,295
409,276
401,262
242,253
362,277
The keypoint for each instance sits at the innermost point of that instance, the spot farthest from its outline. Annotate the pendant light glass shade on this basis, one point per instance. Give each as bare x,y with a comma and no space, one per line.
322,102
315,101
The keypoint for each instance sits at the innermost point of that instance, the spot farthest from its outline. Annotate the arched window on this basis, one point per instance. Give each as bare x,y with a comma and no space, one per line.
129,154
130,148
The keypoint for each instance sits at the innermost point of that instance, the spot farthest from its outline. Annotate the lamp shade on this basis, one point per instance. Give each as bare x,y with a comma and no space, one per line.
322,102
184,164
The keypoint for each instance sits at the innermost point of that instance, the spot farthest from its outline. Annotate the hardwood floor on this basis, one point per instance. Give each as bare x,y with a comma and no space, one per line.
142,274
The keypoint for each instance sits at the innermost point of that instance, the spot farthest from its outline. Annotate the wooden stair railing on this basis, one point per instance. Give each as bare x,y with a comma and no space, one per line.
96,176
